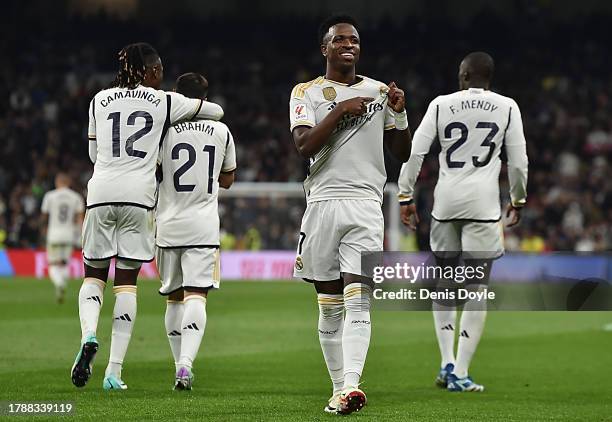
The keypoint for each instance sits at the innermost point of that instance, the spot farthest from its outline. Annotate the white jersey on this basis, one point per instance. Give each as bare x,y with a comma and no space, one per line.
62,205
128,126
351,164
471,126
192,157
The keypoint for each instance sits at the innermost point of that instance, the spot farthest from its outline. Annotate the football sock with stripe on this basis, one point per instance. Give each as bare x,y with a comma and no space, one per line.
470,330
173,320
445,319
331,322
91,296
124,315
357,331
192,331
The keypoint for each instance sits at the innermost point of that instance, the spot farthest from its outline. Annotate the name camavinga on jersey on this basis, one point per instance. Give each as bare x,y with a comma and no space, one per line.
132,93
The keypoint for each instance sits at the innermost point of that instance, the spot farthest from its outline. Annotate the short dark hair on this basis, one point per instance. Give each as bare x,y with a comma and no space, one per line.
481,65
133,60
335,20
192,85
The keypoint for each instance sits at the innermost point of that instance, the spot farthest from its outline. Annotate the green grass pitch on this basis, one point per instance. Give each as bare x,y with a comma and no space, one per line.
260,360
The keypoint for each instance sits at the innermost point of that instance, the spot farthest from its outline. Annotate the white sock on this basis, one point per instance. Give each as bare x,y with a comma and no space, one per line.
331,321
445,320
173,320
357,331
91,297
57,276
192,331
124,315
65,270
470,330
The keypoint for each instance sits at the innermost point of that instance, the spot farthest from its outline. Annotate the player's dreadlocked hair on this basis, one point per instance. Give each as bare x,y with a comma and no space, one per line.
133,59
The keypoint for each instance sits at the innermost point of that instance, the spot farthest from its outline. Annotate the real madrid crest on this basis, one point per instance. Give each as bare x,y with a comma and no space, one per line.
299,265
329,93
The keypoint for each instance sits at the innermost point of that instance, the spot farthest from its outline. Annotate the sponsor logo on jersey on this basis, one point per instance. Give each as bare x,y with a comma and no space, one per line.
349,121
301,112
329,93
299,264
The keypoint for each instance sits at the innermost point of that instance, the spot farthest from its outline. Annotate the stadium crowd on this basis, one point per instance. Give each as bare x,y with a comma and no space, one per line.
557,71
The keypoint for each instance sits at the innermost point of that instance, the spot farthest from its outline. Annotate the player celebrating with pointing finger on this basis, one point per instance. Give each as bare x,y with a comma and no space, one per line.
340,123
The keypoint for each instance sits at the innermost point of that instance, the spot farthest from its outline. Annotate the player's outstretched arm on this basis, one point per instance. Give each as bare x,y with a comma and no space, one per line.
310,140
398,139
183,108
210,111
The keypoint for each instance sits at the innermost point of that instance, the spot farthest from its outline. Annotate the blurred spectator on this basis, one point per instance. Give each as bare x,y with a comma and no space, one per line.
558,71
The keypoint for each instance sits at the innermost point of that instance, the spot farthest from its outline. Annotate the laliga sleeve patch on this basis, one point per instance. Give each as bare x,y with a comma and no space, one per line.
300,112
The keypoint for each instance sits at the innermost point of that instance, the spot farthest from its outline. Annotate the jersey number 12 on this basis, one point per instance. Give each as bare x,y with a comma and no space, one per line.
129,143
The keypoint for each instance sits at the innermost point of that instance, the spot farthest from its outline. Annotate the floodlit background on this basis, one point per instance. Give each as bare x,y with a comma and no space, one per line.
260,358
554,58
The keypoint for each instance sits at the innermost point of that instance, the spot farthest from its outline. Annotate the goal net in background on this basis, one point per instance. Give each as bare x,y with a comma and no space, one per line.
260,226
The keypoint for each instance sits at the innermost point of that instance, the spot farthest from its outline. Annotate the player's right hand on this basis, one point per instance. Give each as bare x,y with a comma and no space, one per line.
355,106
409,216
513,214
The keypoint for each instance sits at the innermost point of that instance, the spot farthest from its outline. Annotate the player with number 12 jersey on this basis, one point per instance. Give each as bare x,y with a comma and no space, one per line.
127,123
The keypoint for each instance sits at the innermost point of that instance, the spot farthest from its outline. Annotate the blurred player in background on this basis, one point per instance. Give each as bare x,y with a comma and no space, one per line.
127,124
340,122
471,126
62,211
196,158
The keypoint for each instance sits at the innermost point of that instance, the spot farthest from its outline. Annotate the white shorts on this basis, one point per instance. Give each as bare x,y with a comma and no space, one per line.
473,238
333,235
195,268
122,231
59,253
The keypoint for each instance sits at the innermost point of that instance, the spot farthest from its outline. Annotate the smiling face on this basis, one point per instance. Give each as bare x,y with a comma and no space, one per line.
341,46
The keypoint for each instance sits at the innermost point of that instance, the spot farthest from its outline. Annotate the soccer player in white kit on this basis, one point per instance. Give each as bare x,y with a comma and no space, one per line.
62,211
127,124
197,158
471,125
340,122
